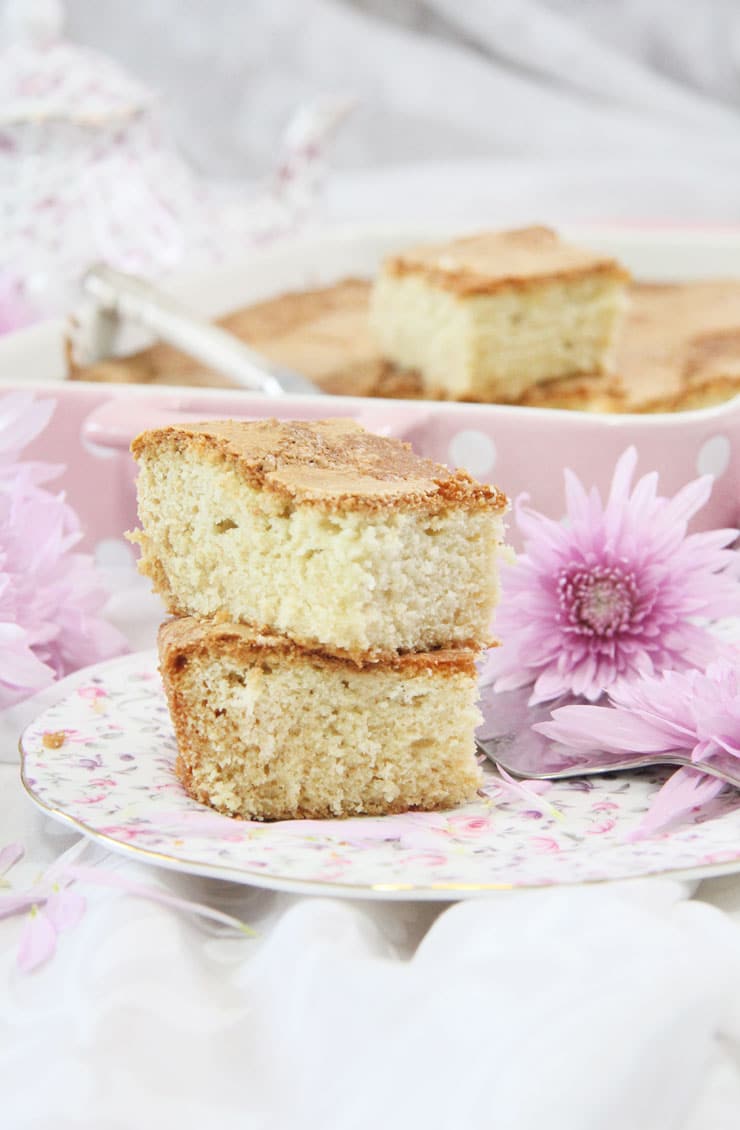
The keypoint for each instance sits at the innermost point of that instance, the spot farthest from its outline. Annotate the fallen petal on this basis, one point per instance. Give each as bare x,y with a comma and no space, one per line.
684,791
64,909
154,894
13,902
9,855
38,941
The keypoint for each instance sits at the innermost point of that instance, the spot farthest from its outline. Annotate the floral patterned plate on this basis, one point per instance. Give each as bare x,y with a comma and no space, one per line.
102,758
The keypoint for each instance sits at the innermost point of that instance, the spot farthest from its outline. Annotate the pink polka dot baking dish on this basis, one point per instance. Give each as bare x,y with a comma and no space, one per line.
519,448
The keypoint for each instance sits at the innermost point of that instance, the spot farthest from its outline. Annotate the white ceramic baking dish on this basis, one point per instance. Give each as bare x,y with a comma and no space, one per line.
521,449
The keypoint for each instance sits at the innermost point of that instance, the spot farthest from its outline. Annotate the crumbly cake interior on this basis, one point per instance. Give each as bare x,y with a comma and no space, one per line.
353,580
269,734
495,346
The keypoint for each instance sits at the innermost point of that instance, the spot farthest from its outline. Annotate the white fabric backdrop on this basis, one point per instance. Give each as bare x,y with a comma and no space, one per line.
579,109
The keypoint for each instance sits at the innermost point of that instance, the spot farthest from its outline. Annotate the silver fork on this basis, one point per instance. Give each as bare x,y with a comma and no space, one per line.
507,739
117,296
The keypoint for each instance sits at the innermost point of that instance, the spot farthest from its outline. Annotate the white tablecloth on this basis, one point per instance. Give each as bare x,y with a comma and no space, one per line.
595,1007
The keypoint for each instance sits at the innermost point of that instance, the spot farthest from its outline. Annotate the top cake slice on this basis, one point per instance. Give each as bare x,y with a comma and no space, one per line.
321,531
487,316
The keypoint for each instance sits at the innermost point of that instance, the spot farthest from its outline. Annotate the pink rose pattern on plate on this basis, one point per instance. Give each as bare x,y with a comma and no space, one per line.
113,775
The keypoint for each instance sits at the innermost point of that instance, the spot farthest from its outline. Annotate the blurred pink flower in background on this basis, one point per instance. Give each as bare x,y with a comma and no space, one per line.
612,594
51,598
15,310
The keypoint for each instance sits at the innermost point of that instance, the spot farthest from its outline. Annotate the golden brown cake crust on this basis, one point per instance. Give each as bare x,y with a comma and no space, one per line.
490,261
334,464
679,349
680,346
188,635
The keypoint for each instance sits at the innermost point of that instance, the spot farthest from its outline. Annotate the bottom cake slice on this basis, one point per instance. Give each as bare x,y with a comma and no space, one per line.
267,730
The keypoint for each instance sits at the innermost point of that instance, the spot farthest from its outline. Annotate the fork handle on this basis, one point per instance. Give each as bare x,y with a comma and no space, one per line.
119,295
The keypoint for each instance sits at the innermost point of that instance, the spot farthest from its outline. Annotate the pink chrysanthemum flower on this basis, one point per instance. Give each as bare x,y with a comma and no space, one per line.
693,711
612,594
50,597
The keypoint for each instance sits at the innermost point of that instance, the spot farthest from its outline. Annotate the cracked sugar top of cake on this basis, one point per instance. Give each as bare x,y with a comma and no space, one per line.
326,462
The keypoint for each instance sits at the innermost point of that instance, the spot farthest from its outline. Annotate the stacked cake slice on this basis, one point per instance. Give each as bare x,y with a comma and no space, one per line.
331,592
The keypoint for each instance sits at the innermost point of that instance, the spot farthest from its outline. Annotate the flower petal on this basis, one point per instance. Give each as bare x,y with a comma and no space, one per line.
684,791
576,498
550,684
16,902
622,478
155,894
608,728
529,792
10,855
38,941
689,500
65,908
22,418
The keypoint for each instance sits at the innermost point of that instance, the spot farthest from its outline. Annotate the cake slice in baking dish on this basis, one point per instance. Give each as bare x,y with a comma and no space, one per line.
488,316
321,531
272,731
